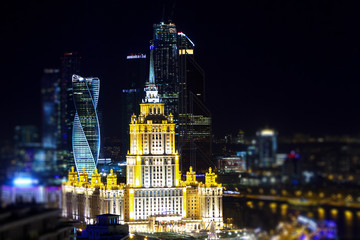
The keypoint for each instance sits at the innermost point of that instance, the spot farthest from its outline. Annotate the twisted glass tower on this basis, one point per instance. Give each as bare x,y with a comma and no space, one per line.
86,131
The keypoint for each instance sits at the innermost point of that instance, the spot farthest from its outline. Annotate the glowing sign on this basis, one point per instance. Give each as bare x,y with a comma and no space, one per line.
136,56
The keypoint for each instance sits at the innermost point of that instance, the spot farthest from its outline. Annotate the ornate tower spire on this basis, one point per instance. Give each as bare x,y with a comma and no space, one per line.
151,90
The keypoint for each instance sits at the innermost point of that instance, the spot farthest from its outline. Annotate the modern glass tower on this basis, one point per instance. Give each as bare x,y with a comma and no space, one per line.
86,131
194,117
165,50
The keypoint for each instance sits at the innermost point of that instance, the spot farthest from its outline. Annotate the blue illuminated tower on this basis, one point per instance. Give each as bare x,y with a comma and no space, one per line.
86,131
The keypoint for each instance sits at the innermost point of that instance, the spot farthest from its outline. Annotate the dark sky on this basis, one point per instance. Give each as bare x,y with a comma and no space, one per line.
291,65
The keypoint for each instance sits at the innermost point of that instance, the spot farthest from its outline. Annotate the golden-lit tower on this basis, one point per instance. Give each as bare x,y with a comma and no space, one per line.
152,160
153,176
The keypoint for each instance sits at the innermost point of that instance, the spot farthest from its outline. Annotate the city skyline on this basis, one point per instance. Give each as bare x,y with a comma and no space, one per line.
213,119
292,72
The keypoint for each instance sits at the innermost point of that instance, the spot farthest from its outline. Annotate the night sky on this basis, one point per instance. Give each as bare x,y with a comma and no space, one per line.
291,65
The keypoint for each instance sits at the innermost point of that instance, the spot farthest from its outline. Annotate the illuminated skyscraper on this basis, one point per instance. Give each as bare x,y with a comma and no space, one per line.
164,46
181,84
86,130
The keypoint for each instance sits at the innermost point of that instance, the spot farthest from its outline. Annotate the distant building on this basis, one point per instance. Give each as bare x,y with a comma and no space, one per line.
292,169
267,147
232,164
86,129
28,152
70,64
105,165
107,226
26,135
50,91
111,148
240,138
252,161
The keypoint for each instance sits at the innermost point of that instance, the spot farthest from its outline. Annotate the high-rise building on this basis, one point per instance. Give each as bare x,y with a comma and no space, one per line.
86,130
195,135
267,147
154,198
181,84
165,49
131,96
70,64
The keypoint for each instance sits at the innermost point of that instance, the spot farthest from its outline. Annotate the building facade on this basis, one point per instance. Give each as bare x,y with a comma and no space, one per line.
86,130
154,198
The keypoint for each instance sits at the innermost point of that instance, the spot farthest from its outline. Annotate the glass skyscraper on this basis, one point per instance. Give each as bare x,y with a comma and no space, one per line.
86,130
181,85
164,46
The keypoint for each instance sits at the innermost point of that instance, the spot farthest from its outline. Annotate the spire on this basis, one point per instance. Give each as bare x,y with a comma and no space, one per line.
151,72
151,89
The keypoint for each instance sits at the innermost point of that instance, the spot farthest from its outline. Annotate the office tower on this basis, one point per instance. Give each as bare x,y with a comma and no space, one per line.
131,96
70,64
195,136
50,91
181,84
154,198
165,50
86,130
267,147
